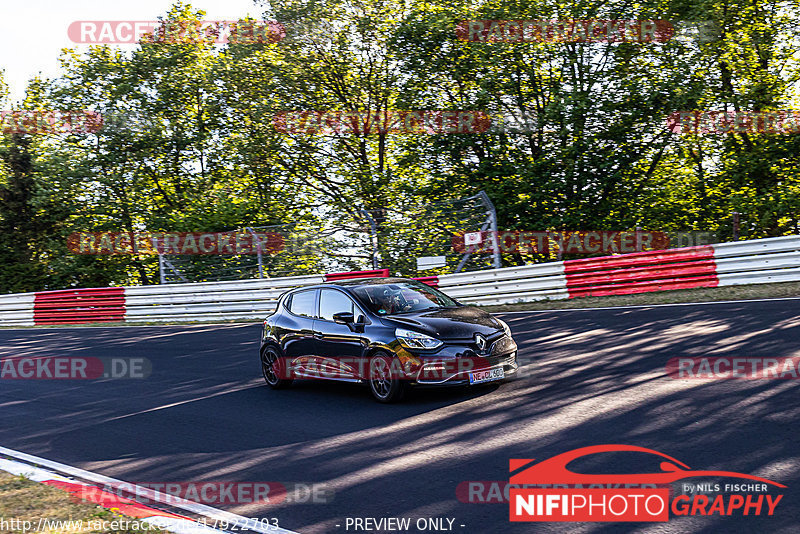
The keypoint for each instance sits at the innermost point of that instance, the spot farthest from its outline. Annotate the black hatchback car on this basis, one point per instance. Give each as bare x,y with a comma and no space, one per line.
390,333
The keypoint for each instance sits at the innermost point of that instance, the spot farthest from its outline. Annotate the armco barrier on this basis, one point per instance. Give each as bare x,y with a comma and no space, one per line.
17,309
641,272
510,284
210,301
757,261
432,281
760,261
743,262
79,306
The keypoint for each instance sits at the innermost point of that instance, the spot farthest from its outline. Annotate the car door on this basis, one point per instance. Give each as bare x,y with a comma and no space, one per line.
340,347
299,344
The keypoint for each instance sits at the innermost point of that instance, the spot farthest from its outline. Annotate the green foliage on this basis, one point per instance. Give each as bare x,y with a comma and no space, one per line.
190,141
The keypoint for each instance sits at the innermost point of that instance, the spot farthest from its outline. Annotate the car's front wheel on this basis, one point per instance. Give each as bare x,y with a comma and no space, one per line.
384,383
273,368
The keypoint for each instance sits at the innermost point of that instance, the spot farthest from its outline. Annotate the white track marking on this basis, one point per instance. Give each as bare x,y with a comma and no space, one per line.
152,495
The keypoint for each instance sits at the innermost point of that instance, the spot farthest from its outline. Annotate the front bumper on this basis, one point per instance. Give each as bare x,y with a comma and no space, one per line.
453,363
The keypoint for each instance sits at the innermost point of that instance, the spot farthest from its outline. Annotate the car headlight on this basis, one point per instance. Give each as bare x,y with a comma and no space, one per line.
506,328
416,340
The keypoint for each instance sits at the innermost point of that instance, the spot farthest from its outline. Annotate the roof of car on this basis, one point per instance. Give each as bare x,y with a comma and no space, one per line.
367,281
353,282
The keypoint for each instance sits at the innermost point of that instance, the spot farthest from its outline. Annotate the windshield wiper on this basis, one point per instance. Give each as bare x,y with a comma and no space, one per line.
429,308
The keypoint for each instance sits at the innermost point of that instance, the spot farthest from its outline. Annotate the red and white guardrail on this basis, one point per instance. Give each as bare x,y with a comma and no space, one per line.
757,261
93,487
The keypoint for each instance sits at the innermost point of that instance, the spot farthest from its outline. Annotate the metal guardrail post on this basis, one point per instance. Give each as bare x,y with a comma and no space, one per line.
492,215
163,264
258,251
162,276
467,255
373,237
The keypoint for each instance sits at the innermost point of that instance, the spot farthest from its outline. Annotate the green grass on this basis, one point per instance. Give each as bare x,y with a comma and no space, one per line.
24,500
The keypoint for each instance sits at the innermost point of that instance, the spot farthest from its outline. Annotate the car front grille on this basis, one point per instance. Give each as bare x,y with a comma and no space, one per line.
497,359
508,361
495,343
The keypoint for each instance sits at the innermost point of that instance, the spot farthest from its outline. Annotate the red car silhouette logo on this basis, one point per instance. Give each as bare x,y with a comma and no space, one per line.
554,470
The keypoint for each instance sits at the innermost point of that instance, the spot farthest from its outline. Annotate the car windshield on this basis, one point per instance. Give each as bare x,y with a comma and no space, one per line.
401,297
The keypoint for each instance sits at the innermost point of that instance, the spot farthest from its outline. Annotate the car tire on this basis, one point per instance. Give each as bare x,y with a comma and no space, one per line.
272,366
384,387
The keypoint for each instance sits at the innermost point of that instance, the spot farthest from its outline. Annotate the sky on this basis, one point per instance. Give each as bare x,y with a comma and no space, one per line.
33,32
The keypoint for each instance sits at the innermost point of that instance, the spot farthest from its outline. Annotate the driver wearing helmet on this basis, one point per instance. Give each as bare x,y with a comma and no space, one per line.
387,301
391,300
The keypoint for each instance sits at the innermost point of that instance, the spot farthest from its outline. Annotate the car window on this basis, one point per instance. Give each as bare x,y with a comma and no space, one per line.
332,301
401,297
302,303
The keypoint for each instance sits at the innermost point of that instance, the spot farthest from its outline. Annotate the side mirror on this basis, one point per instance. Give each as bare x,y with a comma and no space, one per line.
343,318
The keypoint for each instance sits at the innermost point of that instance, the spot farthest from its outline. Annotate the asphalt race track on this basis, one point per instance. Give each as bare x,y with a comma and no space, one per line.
591,377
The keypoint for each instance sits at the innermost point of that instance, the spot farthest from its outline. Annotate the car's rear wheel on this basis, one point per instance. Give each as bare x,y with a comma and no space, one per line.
384,384
273,368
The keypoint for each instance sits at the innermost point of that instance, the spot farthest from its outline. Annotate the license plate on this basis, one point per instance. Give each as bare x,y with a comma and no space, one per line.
486,376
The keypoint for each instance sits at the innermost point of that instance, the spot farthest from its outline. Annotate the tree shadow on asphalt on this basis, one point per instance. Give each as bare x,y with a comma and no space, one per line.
590,378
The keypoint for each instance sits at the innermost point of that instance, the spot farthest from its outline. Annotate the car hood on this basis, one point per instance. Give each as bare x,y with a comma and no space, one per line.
448,323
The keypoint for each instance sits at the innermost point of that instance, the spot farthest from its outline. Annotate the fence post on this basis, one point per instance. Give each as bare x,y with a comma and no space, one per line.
258,251
492,214
162,276
373,237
